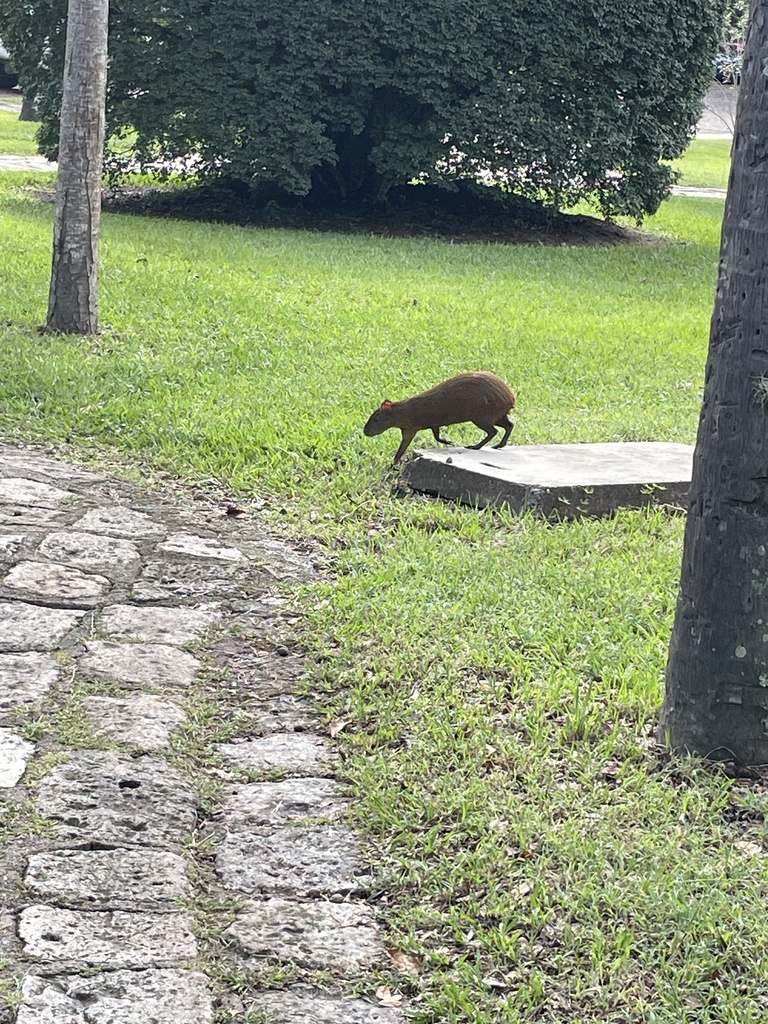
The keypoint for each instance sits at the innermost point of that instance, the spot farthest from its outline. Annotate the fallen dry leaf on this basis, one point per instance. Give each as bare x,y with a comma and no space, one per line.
748,848
405,962
387,997
337,725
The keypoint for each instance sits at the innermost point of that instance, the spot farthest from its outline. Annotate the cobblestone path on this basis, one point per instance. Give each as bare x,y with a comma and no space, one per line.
174,846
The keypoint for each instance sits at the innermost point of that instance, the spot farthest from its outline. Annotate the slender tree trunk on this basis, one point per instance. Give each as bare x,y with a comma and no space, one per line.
717,675
73,304
28,110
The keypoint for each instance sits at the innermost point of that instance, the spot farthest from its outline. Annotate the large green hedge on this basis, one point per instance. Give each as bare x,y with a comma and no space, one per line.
560,99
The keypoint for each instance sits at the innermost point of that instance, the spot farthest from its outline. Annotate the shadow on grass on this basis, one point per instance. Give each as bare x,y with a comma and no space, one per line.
471,213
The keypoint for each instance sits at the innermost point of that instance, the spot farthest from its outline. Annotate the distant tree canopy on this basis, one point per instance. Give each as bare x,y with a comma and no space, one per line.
344,99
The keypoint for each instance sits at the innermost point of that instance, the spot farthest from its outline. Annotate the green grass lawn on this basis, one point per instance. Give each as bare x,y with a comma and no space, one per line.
500,676
17,137
706,163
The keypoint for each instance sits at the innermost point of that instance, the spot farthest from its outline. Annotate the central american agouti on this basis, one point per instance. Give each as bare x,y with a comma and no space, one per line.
481,398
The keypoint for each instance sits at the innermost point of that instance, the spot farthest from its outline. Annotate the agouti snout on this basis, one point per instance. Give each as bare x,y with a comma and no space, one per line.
480,398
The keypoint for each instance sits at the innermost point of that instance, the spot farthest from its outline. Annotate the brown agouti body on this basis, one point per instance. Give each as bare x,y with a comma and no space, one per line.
480,398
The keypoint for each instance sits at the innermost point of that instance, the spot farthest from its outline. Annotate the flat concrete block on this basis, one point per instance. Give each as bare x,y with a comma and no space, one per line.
296,752
276,803
294,860
119,879
159,625
117,997
118,521
301,1005
557,480
111,556
14,754
25,678
55,584
111,938
30,627
316,935
142,721
106,797
157,665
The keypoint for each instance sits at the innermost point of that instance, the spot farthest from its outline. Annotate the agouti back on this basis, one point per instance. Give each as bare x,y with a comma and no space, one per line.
480,398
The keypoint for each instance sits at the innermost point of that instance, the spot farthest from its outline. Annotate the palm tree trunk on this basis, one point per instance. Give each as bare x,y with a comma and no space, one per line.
717,675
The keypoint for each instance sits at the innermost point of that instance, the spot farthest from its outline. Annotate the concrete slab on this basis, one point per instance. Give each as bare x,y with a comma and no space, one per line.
558,480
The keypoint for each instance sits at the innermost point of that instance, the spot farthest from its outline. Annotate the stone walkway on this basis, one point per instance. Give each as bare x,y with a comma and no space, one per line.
173,840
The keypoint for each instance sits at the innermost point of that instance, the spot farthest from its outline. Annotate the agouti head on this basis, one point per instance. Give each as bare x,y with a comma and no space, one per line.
381,420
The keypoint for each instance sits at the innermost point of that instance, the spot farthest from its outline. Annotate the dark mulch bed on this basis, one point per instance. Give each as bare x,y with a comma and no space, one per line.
471,214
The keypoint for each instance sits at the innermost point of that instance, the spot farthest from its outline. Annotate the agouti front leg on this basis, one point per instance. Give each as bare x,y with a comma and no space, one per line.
489,435
442,440
408,436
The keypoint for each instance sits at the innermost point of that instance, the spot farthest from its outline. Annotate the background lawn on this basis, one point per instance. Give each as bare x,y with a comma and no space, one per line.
706,163
17,137
500,676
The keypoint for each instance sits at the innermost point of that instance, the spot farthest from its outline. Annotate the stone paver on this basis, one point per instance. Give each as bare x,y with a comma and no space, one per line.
277,803
303,1006
294,860
25,678
207,579
15,462
297,752
116,521
159,625
11,545
155,665
52,935
55,584
143,721
106,797
312,935
109,879
28,627
116,558
100,588
14,754
18,491
117,997
199,547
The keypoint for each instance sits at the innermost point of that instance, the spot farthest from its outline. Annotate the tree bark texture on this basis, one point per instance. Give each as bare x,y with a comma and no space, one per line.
717,675
73,303
28,110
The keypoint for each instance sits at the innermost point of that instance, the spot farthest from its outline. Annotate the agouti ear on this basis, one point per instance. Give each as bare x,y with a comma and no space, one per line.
386,404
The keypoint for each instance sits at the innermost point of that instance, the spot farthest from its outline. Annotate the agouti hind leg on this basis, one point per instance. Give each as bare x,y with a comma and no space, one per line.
436,434
507,424
490,433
